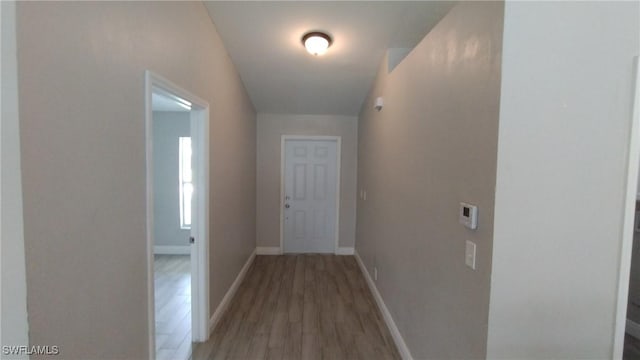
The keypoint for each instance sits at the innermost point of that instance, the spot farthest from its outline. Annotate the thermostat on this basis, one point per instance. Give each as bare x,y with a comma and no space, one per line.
469,215
379,103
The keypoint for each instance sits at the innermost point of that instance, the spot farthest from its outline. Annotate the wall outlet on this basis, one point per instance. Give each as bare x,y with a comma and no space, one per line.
375,273
470,255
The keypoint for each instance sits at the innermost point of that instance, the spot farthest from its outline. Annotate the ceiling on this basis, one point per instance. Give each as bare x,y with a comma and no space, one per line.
263,39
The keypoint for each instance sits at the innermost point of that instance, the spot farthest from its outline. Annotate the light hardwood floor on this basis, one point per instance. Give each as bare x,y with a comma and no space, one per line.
301,307
173,306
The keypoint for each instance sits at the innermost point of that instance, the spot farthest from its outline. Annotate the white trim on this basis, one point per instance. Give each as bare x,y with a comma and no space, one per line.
171,250
633,329
200,250
200,222
345,251
629,209
338,140
226,300
149,210
268,250
388,319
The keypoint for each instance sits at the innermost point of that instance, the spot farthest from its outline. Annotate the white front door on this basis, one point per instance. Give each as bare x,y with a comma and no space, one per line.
310,188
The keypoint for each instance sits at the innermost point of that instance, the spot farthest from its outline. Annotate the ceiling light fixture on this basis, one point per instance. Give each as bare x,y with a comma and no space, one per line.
316,42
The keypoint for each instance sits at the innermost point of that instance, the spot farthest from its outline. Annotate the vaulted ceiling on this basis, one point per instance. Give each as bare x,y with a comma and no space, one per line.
263,39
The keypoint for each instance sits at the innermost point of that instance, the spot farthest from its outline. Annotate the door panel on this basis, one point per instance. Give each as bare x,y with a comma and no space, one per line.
299,181
320,181
310,196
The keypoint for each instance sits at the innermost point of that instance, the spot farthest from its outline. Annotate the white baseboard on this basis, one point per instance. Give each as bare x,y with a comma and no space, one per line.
268,250
633,329
395,333
224,304
345,251
275,250
171,250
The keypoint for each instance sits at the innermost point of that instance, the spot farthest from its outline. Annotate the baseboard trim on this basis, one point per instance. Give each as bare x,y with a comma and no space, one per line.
345,251
633,329
171,250
226,300
388,319
268,250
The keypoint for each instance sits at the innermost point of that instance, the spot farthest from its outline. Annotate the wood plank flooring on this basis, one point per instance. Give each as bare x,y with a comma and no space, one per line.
301,307
172,276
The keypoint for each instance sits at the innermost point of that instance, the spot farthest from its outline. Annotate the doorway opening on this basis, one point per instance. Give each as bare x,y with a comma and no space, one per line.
177,147
632,324
627,327
310,194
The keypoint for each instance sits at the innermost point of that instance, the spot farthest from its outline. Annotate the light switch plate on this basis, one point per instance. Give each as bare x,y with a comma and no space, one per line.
470,255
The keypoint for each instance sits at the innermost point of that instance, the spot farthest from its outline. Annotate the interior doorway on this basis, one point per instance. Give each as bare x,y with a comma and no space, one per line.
632,326
172,219
310,194
177,146
627,330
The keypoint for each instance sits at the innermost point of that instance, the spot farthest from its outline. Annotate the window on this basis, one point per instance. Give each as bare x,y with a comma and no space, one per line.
186,181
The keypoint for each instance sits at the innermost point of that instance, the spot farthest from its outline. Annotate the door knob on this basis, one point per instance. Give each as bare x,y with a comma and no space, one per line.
286,206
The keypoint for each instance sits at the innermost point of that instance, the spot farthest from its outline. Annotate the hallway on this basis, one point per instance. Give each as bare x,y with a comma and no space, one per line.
484,152
301,307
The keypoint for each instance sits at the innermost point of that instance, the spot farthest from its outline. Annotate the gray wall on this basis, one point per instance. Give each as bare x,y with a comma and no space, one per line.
270,129
432,146
564,137
14,327
81,89
167,128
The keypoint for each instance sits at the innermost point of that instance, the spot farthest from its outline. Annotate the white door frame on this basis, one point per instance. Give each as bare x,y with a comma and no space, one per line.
633,167
200,221
338,140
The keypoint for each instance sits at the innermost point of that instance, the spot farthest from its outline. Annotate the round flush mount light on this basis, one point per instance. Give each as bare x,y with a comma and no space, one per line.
316,42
